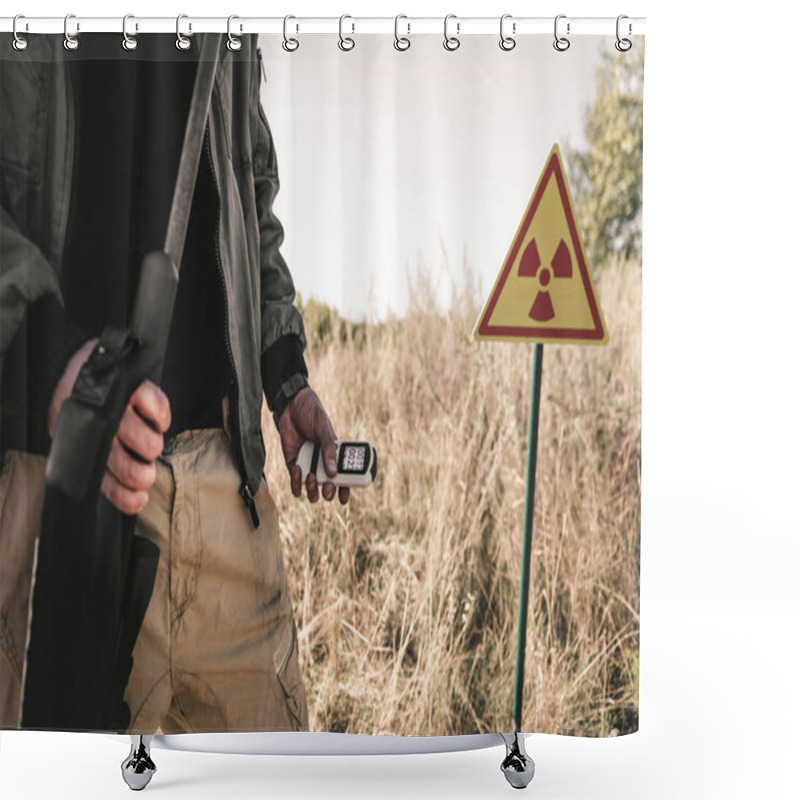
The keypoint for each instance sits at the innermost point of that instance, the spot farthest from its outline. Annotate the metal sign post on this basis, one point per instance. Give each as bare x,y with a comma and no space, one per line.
530,493
543,293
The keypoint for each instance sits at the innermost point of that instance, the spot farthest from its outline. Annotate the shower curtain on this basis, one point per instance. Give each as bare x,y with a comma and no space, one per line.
355,209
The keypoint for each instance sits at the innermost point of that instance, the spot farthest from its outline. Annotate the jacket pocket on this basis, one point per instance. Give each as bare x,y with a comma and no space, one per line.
287,669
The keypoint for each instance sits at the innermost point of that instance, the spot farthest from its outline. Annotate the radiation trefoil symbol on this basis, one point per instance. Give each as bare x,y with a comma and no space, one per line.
530,266
544,291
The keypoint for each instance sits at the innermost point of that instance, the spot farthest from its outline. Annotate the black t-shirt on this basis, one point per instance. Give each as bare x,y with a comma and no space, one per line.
131,111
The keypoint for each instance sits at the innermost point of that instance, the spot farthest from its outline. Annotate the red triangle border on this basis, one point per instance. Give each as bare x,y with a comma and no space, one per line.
574,334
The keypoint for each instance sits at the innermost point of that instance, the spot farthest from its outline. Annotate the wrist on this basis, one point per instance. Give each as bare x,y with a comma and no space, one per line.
279,363
289,389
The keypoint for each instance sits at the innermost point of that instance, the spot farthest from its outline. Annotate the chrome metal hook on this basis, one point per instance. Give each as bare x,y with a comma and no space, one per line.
517,766
20,42
182,42
70,42
561,43
451,42
345,42
401,42
623,45
507,42
289,44
138,768
129,42
234,44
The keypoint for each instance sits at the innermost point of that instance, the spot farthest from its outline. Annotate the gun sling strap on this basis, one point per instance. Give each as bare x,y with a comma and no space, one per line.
192,145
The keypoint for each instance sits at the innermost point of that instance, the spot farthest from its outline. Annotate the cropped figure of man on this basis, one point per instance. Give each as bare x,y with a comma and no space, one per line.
89,144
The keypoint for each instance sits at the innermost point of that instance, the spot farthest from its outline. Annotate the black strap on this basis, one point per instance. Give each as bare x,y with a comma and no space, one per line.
315,458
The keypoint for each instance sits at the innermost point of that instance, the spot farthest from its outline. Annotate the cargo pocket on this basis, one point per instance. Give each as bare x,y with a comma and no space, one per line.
13,612
269,573
265,505
7,458
287,669
21,489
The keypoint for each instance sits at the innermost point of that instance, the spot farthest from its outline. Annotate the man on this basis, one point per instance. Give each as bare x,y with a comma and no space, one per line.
90,143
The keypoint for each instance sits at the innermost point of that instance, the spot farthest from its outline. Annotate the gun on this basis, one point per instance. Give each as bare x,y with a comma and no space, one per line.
93,577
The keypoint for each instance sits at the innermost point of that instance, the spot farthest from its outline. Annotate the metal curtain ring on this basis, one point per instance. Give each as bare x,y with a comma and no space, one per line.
129,42
561,43
507,42
234,44
451,42
182,42
345,42
20,42
70,42
289,45
623,45
401,42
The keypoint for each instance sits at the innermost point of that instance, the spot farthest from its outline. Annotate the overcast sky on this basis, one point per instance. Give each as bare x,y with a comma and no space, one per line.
392,159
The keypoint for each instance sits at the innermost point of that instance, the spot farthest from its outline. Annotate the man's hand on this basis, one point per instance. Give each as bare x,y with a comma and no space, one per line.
127,480
305,419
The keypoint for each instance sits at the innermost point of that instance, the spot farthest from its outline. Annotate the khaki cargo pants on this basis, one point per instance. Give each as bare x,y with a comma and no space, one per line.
218,647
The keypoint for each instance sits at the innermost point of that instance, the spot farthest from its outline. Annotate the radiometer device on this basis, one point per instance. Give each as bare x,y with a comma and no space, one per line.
356,462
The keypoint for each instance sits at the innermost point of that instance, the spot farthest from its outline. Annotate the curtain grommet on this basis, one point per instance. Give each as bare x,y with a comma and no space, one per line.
70,42
182,42
346,43
623,44
561,43
507,43
233,44
289,44
401,43
20,43
129,42
451,43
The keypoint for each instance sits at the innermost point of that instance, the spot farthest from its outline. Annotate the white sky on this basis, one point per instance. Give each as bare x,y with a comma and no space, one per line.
392,159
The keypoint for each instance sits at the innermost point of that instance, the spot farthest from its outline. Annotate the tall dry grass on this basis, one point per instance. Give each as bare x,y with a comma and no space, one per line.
406,599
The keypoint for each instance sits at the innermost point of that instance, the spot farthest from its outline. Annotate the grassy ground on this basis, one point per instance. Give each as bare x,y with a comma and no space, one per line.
406,600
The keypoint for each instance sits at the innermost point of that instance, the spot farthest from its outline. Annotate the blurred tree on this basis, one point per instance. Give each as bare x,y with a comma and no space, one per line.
607,180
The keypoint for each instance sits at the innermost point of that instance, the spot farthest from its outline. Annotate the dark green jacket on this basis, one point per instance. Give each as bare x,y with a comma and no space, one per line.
264,330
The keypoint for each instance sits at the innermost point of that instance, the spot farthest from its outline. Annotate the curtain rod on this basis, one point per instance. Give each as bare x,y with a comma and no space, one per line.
349,25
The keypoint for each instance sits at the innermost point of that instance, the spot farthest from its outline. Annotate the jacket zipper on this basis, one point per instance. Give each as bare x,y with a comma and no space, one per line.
245,490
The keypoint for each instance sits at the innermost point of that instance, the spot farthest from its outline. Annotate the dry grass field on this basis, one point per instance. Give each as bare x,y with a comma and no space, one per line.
406,599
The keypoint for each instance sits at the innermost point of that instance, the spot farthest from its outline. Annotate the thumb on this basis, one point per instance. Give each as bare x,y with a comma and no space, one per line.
328,441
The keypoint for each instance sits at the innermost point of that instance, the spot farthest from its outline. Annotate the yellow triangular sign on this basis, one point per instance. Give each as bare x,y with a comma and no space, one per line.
544,291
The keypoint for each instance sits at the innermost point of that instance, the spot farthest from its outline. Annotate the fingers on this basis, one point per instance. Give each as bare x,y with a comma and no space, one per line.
127,481
130,469
130,473
296,475
139,437
128,501
152,404
308,421
311,488
328,441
